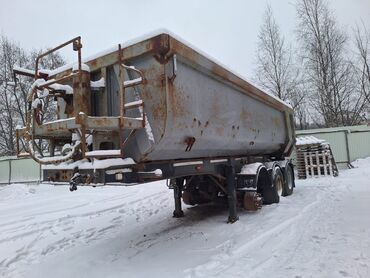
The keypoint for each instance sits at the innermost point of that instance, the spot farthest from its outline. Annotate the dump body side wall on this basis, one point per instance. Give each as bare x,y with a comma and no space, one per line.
222,119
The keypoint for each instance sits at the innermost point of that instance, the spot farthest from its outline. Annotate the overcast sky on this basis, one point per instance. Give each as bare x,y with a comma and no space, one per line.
226,30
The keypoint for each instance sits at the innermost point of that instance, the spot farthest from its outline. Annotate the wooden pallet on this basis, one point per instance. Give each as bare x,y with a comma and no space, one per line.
315,160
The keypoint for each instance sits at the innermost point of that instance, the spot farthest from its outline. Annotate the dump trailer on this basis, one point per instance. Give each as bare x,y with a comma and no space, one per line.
156,108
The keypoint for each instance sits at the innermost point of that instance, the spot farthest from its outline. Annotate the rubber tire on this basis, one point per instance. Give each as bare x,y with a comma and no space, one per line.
270,194
188,199
288,170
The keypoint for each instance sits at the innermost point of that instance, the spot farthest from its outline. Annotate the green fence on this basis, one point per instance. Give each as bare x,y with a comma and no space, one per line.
347,143
15,170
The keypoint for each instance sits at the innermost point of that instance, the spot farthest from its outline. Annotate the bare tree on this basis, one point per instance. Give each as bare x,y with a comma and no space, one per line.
13,100
362,40
276,71
299,103
329,73
11,104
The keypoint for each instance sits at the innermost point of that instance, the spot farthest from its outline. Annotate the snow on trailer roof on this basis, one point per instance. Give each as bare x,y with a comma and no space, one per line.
151,35
308,140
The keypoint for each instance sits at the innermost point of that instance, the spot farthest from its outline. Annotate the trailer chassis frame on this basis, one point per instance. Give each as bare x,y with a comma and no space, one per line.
176,171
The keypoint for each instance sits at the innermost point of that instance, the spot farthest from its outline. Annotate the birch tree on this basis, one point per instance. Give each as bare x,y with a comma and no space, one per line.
276,72
328,71
362,41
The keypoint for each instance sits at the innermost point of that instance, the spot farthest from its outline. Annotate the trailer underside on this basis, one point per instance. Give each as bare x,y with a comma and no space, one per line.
240,181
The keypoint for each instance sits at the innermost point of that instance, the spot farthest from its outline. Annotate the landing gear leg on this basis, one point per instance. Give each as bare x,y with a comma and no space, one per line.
177,192
231,194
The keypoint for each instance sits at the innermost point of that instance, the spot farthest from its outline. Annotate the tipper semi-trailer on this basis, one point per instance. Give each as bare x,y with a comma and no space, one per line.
156,108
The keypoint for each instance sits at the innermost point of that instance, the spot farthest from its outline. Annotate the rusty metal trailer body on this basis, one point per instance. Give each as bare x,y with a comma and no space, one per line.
164,105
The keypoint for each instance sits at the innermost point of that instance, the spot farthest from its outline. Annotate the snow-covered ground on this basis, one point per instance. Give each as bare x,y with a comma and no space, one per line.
322,230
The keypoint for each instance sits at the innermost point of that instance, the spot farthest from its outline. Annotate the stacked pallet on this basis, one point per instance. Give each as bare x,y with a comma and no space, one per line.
314,158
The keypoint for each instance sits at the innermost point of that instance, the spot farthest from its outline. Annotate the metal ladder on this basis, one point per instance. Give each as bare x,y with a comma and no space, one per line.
123,85
126,106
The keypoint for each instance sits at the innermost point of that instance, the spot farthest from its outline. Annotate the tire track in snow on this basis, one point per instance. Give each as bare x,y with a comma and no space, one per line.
222,262
65,235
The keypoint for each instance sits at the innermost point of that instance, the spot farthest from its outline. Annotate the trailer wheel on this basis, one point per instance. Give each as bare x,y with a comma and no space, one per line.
187,198
271,194
264,186
288,180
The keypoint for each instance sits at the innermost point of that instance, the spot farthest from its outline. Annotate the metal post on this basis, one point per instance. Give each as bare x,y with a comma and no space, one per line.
40,174
122,100
231,193
82,102
81,93
177,192
10,171
347,147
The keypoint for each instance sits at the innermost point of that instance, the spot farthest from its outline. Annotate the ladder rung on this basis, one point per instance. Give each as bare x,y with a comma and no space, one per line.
134,104
103,153
23,154
133,82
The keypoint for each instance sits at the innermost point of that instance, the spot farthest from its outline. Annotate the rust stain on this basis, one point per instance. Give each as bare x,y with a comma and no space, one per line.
220,131
178,47
193,123
161,46
177,102
245,115
81,93
277,122
93,63
102,121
